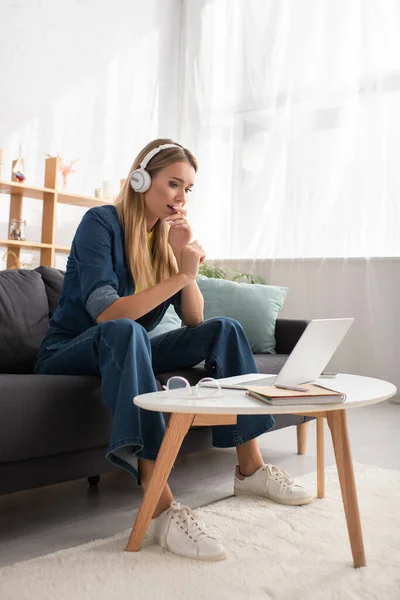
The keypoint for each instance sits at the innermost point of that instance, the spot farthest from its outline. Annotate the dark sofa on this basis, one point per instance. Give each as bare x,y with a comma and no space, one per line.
55,428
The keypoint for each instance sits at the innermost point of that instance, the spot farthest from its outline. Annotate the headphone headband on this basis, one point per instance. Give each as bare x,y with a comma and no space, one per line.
155,151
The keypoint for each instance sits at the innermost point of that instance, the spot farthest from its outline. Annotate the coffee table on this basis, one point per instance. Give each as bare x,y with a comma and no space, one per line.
186,412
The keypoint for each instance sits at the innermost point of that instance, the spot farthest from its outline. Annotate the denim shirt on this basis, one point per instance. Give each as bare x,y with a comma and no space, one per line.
97,275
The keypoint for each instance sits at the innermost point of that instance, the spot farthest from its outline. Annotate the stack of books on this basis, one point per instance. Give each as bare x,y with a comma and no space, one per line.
312,394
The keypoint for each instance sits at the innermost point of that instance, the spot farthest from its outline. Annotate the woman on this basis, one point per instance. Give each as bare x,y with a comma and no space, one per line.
128,262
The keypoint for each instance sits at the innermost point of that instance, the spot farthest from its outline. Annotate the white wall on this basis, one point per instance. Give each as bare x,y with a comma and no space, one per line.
85,79
367,289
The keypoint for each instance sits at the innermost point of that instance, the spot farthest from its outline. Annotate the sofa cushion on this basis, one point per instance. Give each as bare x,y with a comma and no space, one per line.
255,306
270,363
53,280
24,319
42,415
46,415
266,363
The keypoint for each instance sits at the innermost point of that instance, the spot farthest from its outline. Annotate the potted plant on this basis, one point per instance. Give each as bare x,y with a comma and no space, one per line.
224,272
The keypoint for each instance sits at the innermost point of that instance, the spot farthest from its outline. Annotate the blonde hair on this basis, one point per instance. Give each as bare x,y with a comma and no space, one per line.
130,207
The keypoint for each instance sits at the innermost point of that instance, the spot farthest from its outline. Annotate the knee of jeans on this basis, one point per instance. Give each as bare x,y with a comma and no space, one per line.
225,323
123,328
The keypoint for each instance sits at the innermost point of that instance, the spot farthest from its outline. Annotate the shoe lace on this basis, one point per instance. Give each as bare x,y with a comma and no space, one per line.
279,475
187,521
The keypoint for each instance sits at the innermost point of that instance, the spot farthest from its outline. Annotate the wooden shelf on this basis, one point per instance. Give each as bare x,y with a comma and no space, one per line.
18,244
62,249
34,245
78,200
29,191
51,196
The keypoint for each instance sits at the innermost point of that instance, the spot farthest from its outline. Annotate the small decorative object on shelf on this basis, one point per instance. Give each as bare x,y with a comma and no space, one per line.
18,170
97,193
18,263
66,168
106,190
18,230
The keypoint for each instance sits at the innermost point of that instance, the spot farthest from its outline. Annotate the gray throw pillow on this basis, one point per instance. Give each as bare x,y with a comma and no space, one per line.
24,319
53,282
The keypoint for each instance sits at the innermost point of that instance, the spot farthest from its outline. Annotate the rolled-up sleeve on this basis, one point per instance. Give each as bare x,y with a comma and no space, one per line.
92,251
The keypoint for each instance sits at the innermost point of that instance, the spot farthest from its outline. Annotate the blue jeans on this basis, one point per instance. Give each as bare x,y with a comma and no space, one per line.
122,354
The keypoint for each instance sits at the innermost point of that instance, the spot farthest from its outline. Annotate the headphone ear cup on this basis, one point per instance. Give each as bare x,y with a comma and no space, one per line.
140,180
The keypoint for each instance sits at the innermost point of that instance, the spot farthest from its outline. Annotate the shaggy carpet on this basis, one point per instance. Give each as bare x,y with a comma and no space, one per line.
275,552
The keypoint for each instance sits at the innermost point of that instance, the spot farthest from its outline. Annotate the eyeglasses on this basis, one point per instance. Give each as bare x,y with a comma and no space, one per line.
179,387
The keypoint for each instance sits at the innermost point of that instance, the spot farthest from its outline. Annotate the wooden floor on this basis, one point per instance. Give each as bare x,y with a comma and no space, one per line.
40,521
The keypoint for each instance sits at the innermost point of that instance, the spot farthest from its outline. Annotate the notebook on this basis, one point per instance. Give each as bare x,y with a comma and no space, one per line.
314,394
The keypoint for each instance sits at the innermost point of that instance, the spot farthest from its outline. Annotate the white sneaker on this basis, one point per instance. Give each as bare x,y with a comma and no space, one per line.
273,483
178,530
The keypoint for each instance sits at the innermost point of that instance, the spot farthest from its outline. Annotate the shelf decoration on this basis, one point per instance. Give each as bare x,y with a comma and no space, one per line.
18,229
65,168
51,196
19,168
18,263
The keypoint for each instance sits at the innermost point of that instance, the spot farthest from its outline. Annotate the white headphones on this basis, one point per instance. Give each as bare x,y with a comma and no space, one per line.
140,178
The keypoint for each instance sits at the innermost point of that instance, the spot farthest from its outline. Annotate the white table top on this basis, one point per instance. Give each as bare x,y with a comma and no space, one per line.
360,391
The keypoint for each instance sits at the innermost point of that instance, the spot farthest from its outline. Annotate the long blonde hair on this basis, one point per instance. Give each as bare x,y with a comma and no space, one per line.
130,207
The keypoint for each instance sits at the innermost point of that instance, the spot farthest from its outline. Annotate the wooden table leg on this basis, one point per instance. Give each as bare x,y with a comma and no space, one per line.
320,457
337,422
177,428
302,434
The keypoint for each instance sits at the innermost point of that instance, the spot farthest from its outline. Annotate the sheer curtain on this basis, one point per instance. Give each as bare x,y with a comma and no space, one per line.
293,109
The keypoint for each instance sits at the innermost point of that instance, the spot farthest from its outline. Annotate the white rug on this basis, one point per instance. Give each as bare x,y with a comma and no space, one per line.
275,552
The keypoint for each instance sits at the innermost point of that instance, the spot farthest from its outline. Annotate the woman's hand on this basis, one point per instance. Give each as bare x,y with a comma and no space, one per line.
191,256
180,231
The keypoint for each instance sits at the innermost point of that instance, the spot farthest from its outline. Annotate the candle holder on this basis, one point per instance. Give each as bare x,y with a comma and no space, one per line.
17,230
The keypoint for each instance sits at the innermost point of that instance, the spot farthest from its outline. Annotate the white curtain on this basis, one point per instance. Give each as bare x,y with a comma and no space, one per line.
293,108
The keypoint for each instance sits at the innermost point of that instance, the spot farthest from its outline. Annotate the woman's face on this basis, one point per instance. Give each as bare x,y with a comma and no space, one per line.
170,189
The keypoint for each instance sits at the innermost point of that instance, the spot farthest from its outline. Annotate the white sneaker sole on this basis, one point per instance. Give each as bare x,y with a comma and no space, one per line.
216,558
222,556
285,501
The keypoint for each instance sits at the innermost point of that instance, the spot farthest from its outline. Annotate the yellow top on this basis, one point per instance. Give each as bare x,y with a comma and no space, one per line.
150,239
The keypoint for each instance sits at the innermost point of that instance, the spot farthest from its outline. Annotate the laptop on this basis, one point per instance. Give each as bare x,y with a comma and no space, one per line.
307,360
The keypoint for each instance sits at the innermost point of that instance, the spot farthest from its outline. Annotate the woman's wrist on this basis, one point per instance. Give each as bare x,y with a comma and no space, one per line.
184,279
177,258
